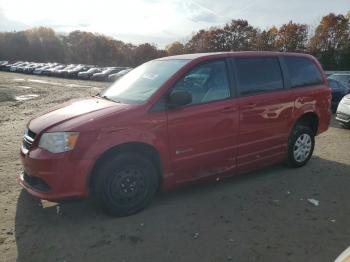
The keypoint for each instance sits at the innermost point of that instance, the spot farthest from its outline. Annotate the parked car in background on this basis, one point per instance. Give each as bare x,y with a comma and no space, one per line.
17,66
8,66
114,77
40,70
30,69
64,71
26,68
174,120
339,90
3,65
73,73
20,68
85,75
343,112
343,78
51,71
103,76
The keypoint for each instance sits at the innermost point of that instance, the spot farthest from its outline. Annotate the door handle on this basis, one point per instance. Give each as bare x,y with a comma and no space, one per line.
227,110
249,106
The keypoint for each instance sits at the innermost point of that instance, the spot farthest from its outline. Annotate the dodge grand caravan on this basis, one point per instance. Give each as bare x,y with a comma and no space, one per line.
174,120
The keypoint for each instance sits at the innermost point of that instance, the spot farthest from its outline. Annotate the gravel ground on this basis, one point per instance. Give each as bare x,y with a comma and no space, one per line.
260,216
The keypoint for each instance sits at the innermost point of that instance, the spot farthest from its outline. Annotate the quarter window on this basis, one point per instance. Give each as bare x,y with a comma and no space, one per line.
302,71
206,82
258,75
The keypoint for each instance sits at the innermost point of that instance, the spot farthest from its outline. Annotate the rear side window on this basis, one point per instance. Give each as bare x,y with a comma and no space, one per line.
258,75
302,71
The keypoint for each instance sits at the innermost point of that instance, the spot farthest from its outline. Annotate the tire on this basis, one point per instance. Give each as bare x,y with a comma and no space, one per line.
301,145
126,183
343,125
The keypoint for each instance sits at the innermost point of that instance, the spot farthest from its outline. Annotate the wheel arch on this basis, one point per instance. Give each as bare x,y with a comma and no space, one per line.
309,119
141,148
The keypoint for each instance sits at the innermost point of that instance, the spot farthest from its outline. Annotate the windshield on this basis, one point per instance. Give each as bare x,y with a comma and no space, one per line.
139,84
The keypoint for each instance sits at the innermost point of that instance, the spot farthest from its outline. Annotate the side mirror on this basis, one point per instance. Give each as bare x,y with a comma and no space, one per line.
179,98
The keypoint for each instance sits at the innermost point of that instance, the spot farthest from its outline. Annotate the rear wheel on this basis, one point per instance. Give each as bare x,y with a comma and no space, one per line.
300,146
126,183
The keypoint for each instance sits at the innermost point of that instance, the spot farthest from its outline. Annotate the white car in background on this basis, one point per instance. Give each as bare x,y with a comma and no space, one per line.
343,112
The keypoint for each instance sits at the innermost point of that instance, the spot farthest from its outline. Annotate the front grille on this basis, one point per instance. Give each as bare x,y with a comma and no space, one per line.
28,139
36,183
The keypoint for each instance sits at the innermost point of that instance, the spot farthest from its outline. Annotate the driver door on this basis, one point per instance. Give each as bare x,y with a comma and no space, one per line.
202,135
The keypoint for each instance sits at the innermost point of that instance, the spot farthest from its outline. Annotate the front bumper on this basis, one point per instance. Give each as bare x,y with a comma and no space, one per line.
53,176
343,113
344,118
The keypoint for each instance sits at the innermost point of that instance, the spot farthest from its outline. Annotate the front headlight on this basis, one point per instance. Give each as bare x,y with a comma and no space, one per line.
58,142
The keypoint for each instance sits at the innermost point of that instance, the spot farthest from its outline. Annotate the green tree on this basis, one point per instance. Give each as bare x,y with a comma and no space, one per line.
144,53
239,35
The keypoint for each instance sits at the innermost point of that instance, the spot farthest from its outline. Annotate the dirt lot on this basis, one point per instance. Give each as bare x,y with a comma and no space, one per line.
261,216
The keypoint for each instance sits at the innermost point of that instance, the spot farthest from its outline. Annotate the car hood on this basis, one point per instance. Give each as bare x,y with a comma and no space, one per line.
346,99
72,110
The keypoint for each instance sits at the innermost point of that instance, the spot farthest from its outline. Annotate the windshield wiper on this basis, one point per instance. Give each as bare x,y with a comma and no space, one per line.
106,98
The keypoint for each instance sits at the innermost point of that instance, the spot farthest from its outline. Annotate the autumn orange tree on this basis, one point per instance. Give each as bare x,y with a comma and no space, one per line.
175,48
237,35
292,37
267,39
331,42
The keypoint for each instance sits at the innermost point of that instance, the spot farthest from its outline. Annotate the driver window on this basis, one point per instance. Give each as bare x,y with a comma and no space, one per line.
206,82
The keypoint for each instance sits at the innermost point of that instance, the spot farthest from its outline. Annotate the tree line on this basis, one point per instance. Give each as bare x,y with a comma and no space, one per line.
45,45
329,41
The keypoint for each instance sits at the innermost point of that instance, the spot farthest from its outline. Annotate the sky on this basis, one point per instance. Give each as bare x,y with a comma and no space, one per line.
159,21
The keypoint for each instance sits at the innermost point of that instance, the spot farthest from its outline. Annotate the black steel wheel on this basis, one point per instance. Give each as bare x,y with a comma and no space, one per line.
126,183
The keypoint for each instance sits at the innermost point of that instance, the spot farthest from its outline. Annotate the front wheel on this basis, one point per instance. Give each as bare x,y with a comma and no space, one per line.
300,146
126,183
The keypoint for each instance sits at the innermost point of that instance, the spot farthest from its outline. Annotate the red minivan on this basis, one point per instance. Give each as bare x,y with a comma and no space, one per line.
174,120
